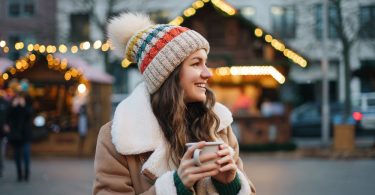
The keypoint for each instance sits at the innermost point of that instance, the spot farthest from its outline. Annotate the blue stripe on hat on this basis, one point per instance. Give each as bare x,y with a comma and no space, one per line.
149,37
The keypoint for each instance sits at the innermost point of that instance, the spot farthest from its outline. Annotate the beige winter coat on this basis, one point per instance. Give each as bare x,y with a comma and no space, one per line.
131,153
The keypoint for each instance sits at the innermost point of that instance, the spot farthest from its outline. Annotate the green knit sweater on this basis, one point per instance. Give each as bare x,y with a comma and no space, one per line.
227,189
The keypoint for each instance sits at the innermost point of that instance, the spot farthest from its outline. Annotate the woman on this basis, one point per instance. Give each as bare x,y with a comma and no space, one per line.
143,150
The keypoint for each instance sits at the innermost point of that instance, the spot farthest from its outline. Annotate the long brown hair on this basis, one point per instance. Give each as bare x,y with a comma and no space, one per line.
183,122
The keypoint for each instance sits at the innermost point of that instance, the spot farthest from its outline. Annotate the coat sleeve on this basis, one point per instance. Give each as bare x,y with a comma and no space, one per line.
228,136
112,175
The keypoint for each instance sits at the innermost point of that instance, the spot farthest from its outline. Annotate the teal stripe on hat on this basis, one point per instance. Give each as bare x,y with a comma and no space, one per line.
148,39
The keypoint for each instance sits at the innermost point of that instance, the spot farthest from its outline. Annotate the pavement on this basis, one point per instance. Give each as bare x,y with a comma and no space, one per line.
306,143
313,147
50,176
308,170
275,175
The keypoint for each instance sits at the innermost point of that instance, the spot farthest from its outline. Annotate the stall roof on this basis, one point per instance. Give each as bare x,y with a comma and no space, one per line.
4,64
90,73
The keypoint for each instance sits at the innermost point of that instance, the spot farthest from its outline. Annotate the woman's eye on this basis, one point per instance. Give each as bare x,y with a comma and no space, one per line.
197,64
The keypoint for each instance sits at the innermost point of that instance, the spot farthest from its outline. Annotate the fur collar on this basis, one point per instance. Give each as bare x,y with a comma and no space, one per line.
135,130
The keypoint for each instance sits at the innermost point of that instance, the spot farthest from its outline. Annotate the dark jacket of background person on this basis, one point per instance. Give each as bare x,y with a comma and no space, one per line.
3,115
19,121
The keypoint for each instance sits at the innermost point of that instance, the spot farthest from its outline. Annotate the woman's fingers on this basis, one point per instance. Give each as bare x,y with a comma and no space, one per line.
203,158
203,168
193,174
225,160
208,157
224,152
228,167
190,151
192,178
199,176
227,163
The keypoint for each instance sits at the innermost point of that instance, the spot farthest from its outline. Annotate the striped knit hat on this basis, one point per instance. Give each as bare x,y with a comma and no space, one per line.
157,49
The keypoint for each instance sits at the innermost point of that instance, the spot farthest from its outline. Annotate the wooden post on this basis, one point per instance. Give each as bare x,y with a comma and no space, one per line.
344,137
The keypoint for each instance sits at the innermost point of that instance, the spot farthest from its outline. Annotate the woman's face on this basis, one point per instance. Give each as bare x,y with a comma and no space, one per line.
194,75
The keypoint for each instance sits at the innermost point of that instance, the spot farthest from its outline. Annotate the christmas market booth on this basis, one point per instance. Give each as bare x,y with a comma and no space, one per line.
250,70
70,101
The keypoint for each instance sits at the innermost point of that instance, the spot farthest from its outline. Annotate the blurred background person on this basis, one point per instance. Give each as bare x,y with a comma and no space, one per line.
19,125
3,111
82,127
243,103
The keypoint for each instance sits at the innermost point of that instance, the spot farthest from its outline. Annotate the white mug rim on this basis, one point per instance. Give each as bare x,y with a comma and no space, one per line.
206,144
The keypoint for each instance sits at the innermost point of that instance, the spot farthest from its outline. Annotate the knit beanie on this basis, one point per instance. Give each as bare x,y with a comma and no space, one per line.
157,49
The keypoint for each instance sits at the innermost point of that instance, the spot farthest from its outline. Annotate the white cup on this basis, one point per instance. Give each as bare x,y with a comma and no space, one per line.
209,147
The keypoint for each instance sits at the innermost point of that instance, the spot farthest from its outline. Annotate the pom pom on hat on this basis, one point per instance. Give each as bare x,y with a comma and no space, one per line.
121,28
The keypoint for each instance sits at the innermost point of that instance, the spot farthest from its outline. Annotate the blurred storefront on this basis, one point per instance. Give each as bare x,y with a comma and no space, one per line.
60,86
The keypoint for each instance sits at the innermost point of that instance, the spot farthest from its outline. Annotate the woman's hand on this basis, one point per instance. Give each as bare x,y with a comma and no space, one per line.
189,173
228,167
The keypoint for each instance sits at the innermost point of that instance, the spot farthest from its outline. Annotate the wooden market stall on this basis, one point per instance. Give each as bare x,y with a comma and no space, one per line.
249,67
59,85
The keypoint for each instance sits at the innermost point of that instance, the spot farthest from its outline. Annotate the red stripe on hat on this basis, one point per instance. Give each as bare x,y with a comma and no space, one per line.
160,44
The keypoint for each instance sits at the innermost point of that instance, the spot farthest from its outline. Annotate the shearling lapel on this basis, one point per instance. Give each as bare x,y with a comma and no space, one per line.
135,130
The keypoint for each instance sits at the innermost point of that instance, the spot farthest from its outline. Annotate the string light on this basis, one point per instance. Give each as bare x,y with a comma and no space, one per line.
198,4
49,49
125,63
278,45
85,45
5,76
30,47
224,7
18,65
74,49
189,12
36,47
82,88
19,45
105,47
250,70
64,64
13,71
177,21
42,49
32,57
2,43
6,49
97,44
49,57
258,32
67,76
53,63
63,48
268,38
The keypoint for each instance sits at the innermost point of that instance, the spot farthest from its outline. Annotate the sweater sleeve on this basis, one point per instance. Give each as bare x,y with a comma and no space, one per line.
112,176
181,189
246,185
230,188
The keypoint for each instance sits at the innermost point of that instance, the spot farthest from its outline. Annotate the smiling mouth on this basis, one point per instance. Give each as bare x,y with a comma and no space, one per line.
201,85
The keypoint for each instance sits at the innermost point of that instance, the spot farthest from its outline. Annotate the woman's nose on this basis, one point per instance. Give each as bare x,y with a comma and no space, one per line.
206,74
